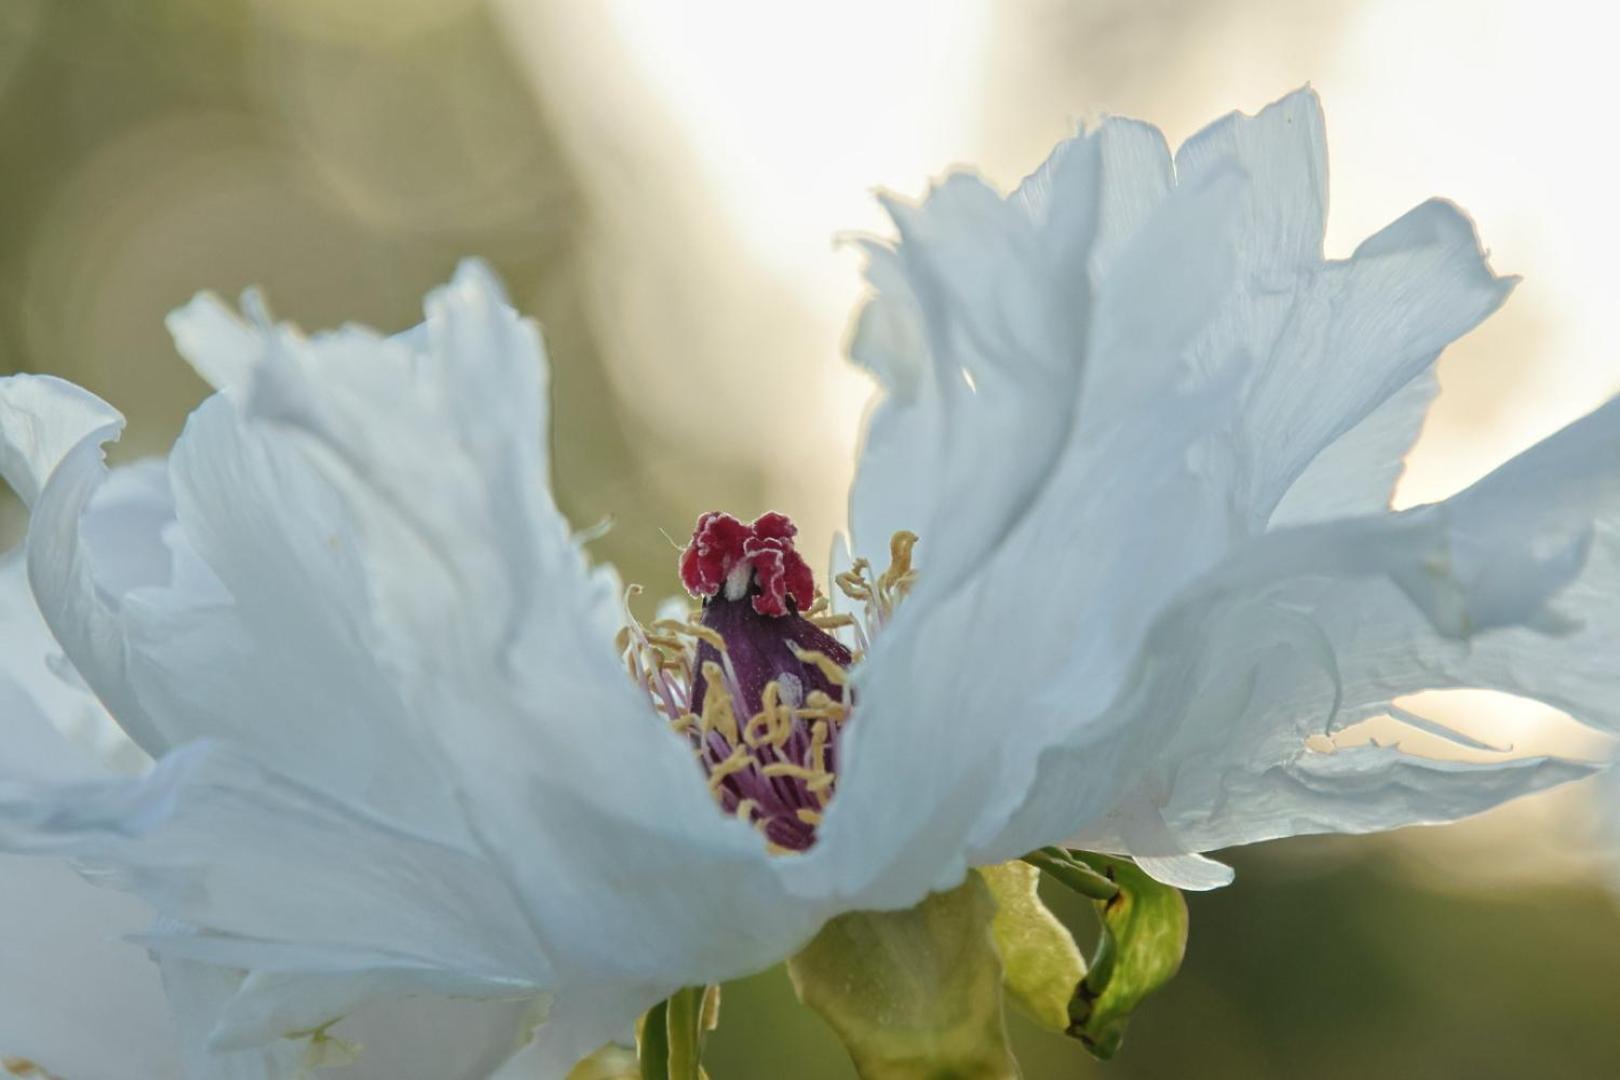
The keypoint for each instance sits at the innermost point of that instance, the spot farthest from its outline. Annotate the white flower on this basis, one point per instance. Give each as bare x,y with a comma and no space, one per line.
1147,437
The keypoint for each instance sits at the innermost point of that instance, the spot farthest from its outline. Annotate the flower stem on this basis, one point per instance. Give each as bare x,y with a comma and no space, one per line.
1076,875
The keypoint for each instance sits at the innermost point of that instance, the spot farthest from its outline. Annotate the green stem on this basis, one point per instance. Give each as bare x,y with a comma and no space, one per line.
654,1046
1068,871
685,1033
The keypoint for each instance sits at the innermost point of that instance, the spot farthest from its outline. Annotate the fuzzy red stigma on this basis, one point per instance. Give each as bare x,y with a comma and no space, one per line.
723,548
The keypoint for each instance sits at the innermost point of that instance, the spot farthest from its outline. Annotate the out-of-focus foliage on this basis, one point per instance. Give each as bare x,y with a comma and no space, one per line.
1320,961
341,156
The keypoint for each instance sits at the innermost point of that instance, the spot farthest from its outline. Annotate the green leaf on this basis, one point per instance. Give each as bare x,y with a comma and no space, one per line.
1144,936
1041,965
914,995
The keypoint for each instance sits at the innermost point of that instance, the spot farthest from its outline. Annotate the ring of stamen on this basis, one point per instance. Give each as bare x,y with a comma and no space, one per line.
759,689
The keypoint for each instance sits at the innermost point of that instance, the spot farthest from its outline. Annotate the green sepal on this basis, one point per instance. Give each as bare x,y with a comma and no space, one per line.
652,1042
1041,965
916,994
611,1062
1144,936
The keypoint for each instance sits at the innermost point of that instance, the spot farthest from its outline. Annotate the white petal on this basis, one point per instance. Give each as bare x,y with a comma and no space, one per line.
1224,357
388,1032
84,612
927,762
74,999
999,303
1350,339
578,1024
222,349
1284,153
217,841
1357,472
37,705
1507,586
483,616
42,418
196,993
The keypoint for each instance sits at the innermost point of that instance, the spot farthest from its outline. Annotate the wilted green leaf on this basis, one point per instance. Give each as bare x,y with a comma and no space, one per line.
914,995
1144,936
1041,966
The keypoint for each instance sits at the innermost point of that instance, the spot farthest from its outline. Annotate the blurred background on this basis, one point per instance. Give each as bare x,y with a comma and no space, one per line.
661,185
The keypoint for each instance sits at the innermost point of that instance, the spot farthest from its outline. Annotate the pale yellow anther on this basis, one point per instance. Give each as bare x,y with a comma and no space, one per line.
820,705
827,665
718,714
808,816
788,768
671,629
821,604
683,723
820,732
746,810
755,731
832,622
737,762
900,547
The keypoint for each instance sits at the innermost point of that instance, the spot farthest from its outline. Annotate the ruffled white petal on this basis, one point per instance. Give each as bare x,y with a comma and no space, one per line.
376,1035
1507,586
219,842
493,626
997,300
43,418
1227,369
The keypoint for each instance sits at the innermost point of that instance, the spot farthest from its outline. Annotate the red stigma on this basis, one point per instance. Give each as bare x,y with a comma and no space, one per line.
721,543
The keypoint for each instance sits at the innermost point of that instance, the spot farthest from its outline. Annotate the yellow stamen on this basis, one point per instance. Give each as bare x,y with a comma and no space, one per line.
832,622
718,714
830,668
787,768
746,810
900,547
819,733
737,762
818,704
808,816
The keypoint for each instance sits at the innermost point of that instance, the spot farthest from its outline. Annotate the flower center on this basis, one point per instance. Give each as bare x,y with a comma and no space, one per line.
757,682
